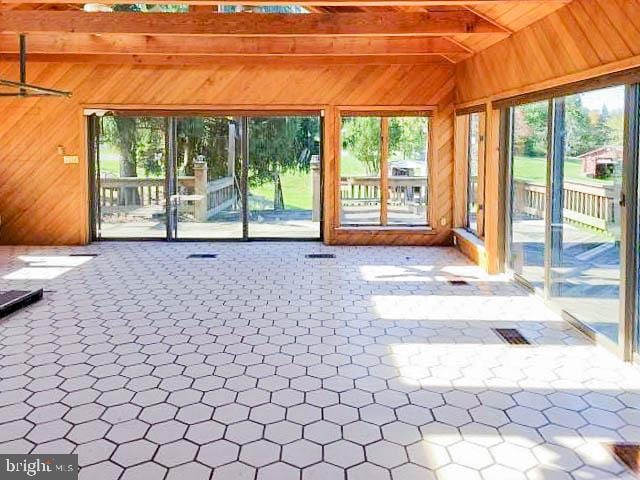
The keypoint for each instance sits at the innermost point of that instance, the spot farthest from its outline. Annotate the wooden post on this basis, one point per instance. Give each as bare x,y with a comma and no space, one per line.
200,188
331,143
494,191
384,172
315,188
461,147
482,124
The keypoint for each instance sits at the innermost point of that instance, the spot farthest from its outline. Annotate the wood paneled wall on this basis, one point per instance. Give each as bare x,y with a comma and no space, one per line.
584,39
43,201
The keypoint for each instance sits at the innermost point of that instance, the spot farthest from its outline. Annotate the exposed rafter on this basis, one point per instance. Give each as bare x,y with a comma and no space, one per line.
208,60
108,44
489,19
248,24
318,3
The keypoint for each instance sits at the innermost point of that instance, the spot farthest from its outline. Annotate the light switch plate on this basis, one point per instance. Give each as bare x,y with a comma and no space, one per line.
71,159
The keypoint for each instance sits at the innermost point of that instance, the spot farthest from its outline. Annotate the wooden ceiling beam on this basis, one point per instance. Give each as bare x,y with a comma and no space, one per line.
90,44
248,24
208,60
305,3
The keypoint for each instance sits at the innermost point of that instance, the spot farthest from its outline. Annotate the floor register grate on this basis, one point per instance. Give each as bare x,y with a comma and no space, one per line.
512,336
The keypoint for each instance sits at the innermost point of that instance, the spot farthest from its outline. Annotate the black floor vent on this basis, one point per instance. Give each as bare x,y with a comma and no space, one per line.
458,282
629,454
203,255
511,336
320,255
84,254
14,300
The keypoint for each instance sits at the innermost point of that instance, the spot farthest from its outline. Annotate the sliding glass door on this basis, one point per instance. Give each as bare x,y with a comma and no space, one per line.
206,177
567,180
585,209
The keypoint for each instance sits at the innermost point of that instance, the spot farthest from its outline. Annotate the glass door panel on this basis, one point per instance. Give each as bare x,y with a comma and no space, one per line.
208,167
284,187
130,177
585,269
528,192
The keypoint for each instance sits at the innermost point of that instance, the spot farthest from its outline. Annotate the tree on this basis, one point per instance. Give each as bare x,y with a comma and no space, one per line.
579,133
276,145
530,130
140,142
602,132
408,136
279,145
190,133
361,135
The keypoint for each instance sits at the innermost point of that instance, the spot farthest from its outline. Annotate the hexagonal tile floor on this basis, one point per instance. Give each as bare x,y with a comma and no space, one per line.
263,364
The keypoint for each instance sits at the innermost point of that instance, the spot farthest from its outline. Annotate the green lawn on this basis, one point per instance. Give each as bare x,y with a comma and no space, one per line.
534,169
296,190
296,187
350,165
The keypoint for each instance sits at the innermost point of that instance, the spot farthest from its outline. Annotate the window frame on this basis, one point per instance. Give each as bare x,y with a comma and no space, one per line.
462,157
482,122
385,113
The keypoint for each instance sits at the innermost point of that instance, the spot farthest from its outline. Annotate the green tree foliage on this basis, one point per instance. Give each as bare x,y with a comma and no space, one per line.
578,127
140,141
585,130
407,138
279,145
361,136
531,130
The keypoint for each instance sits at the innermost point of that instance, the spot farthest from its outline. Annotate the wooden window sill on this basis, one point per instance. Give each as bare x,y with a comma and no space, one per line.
399,228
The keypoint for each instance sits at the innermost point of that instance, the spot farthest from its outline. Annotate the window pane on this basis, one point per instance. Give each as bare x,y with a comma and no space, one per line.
586,223
472,178
284,177
131,177
528,190
360,171
407,169
209,172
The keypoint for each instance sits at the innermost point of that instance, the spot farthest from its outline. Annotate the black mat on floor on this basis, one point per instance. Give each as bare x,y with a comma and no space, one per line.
13,300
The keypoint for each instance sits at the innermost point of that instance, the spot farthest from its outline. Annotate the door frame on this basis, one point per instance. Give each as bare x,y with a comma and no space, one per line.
177,111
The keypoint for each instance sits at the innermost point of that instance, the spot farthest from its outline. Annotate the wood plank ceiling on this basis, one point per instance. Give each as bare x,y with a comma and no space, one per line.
334,31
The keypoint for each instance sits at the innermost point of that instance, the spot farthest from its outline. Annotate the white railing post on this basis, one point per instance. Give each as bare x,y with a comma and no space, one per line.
200,189
315,187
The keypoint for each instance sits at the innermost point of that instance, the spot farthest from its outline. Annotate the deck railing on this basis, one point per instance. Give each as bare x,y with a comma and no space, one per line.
196,196
365,190
595,206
